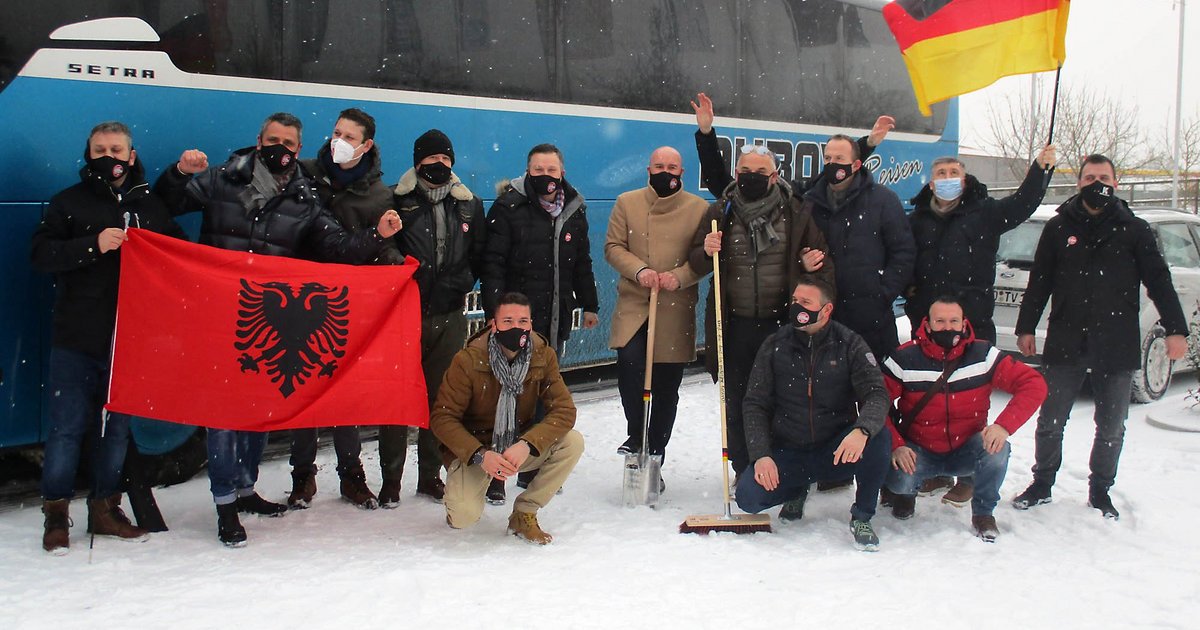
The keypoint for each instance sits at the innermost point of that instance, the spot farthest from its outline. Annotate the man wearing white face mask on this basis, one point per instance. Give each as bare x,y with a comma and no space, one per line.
346,175
957,227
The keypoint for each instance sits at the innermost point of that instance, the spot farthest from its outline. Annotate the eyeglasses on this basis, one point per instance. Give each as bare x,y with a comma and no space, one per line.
757,148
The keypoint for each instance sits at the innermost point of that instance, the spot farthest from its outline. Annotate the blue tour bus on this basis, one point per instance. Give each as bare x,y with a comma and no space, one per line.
605,80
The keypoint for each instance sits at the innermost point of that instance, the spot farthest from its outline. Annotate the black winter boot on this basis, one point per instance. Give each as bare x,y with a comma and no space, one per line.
229,527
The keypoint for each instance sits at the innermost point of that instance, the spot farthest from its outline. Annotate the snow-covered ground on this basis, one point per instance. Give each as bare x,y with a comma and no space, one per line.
334,566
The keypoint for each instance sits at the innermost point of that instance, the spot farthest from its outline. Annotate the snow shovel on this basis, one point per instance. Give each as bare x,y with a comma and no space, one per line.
727,522
642,470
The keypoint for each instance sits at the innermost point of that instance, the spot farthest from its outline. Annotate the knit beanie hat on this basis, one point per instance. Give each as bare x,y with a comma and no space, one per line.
430,143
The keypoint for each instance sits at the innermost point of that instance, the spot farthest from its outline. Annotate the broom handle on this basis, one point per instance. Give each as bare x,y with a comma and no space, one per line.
650,325
721,377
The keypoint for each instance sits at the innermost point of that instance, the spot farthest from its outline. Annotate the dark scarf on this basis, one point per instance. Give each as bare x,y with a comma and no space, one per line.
756,215
512,383
343,177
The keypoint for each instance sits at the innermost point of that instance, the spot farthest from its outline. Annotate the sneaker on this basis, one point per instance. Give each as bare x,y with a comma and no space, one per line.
1035,494
904,506
229,528
105,518
960,495
389,494
495,493
632,446
524,525
354,489
794,510
830,486
433,488
304,487
934,485
254,504
864,535
985,528
1099,499
56,539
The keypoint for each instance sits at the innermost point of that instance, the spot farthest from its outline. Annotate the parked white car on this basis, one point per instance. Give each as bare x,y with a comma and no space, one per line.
1178,234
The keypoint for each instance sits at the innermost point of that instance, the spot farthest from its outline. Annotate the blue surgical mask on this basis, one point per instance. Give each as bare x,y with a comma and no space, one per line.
948,189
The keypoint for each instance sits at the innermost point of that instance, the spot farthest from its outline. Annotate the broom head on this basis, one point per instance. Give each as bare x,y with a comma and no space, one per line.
735,524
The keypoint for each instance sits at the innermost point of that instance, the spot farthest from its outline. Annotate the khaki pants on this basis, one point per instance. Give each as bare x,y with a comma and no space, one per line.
467,485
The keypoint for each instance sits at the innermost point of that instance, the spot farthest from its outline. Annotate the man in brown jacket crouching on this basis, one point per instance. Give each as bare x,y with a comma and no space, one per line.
484,418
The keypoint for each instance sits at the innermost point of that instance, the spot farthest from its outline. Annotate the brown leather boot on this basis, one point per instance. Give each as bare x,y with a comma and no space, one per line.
985,528
304,487
354,488
105,518
935,484
960,495
525,525
389,494
56,538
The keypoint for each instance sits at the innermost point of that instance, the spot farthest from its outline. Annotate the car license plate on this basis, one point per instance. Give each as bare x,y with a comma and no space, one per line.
1009,297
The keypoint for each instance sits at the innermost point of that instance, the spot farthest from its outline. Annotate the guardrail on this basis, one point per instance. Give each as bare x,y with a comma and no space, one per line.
1138,192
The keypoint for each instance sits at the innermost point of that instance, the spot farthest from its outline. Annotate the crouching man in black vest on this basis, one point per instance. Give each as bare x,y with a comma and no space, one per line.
801,419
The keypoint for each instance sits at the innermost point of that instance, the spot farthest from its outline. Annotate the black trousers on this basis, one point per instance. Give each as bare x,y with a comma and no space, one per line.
664,390
743,336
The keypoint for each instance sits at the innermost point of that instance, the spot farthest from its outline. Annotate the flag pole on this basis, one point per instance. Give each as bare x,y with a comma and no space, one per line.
1053,115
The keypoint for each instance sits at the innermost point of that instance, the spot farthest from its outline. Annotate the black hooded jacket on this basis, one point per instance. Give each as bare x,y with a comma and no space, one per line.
1092,267
65,244
956,251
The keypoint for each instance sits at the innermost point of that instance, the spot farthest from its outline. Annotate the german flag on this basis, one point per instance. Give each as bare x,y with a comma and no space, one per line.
952,47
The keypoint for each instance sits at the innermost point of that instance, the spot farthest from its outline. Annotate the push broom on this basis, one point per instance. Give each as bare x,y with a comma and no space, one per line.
727,522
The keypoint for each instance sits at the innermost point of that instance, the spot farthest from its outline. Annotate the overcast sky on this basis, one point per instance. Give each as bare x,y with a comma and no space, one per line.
1125,47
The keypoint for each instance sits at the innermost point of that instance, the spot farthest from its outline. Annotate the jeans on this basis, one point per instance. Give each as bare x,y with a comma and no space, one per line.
1111,391
970,458
233,458
346,443
800,467
79,386
664,389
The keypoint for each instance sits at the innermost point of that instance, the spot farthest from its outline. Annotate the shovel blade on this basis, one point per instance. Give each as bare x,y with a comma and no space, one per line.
641,481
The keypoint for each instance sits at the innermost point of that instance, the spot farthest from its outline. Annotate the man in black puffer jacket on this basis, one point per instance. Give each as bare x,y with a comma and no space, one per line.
957,227
870,241
815,408
538,245
1092,258
79,241
260,202
445,229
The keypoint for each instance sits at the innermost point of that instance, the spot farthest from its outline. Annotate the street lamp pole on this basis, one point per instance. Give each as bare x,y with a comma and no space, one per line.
1178,112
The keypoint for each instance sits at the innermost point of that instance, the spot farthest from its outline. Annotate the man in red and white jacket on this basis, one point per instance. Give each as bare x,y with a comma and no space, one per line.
947,432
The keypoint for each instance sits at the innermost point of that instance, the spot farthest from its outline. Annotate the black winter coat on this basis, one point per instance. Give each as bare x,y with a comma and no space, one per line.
872,244
804,388
1093,266
64,243
519,256
360,204
293,223
956,252
443,286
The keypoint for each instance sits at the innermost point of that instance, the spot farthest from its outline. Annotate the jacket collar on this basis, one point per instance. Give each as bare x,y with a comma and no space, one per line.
408,183
572,200
479,343
1117,211
240,170
819,194
362,186
974,191
135,182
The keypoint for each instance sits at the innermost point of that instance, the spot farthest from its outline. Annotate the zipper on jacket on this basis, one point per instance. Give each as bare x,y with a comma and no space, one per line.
946,397
812,368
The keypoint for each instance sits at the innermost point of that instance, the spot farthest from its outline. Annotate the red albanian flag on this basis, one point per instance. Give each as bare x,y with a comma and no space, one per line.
233,340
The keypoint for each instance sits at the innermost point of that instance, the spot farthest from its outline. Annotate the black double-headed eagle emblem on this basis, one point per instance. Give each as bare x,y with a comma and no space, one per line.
293,332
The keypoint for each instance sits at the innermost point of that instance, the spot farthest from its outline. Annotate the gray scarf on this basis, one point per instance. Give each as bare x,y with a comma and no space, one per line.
263,187
512,383
756,215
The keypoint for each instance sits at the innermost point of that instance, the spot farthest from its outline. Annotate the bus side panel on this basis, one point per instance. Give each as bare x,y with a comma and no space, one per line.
25,325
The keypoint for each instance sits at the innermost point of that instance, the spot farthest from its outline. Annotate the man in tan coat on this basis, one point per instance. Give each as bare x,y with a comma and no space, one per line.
649,237
484,418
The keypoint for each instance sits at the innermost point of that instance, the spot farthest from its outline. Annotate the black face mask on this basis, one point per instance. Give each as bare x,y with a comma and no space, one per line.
665,184
435,173
837,173
801,317
753,186
513,339
545,184
1097,195
277,157
947,339
108,167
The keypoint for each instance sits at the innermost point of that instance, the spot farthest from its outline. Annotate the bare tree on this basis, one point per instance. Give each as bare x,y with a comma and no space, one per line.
1087,122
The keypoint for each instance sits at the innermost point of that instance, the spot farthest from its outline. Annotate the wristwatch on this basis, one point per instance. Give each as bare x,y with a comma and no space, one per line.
477,456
